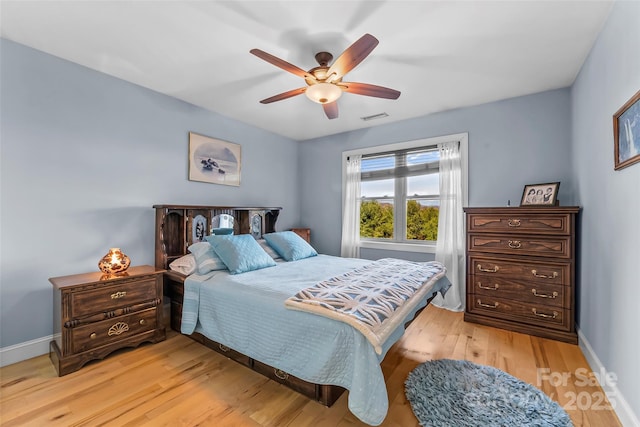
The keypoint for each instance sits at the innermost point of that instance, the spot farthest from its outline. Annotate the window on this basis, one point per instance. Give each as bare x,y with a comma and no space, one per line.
400,194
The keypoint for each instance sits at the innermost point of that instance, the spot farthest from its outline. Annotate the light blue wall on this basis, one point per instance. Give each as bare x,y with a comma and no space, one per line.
608,312
518,141
84,157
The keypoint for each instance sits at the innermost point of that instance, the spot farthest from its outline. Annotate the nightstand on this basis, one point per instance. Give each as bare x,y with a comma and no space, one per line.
95,314
305,233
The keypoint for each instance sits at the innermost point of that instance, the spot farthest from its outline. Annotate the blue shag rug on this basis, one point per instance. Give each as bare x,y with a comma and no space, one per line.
463,394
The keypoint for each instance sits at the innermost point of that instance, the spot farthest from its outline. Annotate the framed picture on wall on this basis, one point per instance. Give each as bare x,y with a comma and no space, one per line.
540,194
626,133
213,160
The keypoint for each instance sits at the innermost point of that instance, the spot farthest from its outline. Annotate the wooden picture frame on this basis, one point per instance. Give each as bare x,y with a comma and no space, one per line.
540,194
626,133
213,160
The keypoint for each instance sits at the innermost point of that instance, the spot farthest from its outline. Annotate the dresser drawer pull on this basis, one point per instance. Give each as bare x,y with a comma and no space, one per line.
488,270
281,374
93,336
489,288
495,304
142,321
514,223
536,294
546,316
223,348
543,276
118,329
119,294
515,244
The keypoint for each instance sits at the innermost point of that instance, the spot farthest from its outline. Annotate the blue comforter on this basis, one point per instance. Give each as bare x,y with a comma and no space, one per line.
246,312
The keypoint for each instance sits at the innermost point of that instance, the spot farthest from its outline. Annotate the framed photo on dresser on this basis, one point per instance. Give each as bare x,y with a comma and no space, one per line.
540,194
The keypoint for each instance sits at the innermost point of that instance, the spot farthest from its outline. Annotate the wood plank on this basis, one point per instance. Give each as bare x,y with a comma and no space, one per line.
180,382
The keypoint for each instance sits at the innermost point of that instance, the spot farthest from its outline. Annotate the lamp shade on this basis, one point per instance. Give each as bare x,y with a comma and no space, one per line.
115,261
323,93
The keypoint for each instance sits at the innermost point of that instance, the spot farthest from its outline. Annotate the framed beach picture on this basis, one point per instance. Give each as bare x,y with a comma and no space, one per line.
214,160
626,133
540,194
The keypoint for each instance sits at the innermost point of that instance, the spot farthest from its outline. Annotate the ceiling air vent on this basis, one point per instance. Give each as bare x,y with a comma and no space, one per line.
374,117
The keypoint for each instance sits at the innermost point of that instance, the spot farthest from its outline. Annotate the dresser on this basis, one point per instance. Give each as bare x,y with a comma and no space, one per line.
521,269
95,314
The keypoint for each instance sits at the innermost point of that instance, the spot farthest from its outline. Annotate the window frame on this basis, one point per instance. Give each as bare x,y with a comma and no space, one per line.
405,245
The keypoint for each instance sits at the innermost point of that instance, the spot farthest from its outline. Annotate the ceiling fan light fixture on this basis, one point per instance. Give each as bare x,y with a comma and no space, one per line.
323,93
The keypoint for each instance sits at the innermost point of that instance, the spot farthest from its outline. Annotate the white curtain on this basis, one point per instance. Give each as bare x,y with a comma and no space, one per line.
351,209
450,248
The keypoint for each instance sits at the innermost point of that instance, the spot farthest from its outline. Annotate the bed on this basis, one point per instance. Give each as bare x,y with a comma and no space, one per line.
252,317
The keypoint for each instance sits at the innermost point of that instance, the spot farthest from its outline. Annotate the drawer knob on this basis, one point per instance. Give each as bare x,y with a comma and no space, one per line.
552,296
488,270
93,336
546,316
489,288
223,347
280,374
142,321
515,244
495,304
544,276
119,294
514,222
117,329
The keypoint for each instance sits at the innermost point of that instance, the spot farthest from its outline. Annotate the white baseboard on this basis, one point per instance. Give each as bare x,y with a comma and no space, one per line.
623,410
34,348
23,351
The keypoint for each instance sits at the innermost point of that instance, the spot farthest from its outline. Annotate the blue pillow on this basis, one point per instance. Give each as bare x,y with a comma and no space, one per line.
240,253
206,258
289,245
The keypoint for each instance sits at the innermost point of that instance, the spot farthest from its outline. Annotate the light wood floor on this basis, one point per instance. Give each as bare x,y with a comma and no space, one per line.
181,383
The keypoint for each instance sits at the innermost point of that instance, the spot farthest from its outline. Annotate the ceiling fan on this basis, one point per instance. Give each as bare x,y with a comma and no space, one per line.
324,83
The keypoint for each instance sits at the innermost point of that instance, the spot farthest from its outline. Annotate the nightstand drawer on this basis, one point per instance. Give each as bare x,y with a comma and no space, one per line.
545,246
107,298
112,330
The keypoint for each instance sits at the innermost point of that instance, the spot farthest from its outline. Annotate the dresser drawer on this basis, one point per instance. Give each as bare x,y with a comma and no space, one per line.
295,383
534,314
533,293
107,298
94,335
228,352
546,246
520,223
528,271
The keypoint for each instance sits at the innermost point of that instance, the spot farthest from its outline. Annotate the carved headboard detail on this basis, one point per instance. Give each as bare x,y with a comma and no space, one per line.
179,226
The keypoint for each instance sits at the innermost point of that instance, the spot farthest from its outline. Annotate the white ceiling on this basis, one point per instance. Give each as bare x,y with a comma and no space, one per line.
440,54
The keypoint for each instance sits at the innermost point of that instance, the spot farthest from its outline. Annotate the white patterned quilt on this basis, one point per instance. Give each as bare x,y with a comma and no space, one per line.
374,298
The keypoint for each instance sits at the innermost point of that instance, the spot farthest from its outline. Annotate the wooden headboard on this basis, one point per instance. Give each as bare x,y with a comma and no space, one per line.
175,226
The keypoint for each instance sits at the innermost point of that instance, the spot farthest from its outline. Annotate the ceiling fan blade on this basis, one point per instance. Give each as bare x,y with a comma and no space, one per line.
331,109
281,63
284,95
369,90
352,56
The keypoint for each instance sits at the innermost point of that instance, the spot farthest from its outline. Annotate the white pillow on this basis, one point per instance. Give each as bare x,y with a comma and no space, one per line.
268,249
185,264
206,259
